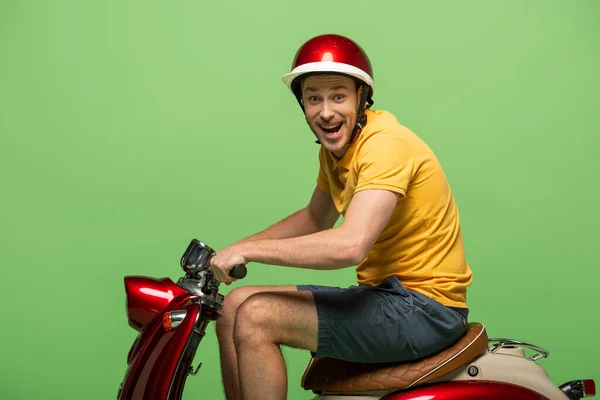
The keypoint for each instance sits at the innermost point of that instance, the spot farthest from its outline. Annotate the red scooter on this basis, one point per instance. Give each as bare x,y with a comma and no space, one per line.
171,320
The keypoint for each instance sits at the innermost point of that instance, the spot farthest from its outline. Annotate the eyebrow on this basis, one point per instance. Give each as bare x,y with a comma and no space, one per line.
338,87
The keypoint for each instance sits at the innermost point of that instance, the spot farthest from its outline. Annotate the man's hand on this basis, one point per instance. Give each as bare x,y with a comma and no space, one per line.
224,261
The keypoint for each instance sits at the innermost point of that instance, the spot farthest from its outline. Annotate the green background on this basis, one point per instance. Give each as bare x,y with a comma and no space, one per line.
129,127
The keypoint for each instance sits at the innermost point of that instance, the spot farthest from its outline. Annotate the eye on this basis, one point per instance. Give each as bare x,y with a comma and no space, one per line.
339,97
313,99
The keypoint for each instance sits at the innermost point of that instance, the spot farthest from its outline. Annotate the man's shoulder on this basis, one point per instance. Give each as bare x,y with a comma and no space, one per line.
378,119
387,138
383,127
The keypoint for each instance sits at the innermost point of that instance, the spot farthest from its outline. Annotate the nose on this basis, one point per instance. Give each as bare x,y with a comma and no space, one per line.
327,112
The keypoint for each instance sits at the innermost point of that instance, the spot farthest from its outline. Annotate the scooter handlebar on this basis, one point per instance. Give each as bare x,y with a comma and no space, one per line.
239,271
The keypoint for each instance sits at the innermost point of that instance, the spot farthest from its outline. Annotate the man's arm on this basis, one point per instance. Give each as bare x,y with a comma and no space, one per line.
344,246
347,245
318,215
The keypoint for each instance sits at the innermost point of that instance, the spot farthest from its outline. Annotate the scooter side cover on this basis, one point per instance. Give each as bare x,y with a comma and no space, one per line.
467,390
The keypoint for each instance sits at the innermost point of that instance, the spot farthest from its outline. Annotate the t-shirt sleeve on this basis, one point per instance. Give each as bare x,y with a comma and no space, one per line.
322,180
385,161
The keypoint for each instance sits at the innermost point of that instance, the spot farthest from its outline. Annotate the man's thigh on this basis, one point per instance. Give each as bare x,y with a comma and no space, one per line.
381,324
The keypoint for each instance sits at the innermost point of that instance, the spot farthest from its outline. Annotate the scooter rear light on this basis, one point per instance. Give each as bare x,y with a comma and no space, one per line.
579,389
589,388
172,319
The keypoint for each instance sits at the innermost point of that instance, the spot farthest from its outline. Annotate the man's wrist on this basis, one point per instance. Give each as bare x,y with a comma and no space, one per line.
248,250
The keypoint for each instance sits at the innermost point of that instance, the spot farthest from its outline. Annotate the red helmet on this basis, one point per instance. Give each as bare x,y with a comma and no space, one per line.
330,53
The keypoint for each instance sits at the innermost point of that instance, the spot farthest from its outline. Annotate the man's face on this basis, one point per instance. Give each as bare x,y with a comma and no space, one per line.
330,103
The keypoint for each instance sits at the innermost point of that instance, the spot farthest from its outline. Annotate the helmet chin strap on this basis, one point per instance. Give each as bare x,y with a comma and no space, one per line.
361,118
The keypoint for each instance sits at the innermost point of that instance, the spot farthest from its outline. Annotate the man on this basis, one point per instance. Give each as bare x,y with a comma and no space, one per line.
400,227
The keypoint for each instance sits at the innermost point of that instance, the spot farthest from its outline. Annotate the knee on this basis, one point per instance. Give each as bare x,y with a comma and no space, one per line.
231,304
254,317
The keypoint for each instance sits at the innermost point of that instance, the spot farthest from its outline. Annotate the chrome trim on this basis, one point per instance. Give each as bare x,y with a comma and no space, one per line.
204,281
199,279
201,261
216,304
503,342
177,317
205,246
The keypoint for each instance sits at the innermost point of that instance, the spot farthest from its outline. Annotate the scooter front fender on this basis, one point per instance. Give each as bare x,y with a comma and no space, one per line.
147,298
159,366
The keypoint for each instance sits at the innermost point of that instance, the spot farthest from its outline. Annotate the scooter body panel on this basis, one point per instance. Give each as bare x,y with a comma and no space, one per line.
453,390
158,361
467,390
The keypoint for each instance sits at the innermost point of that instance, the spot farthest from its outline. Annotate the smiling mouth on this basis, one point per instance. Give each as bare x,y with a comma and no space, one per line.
331,130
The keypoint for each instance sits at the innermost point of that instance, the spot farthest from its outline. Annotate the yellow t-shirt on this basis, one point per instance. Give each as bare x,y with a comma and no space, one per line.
422,244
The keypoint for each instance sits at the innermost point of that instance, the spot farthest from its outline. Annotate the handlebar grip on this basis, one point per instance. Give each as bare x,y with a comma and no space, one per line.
239,271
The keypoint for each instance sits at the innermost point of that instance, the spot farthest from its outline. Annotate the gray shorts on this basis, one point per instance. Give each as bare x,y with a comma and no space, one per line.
387,323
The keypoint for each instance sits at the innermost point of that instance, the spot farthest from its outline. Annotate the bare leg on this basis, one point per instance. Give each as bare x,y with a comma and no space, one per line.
264,322
225,325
